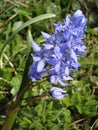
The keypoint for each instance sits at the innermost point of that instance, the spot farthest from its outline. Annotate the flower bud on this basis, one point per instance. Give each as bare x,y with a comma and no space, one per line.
57,93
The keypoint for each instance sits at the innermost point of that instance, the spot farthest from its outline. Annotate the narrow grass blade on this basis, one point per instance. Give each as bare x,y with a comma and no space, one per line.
29,22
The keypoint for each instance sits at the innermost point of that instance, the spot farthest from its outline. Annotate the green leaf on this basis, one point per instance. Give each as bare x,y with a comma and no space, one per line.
89,62
29,22
17,25
76,5
16,81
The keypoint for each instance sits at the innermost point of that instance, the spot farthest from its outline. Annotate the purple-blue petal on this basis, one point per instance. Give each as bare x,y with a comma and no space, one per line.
78,13
61,82
68,20
73,55
48,46
40,66
46,35
57,93
35,58
57,67
52,61
57,52
53,79
36,47
66,78
67,71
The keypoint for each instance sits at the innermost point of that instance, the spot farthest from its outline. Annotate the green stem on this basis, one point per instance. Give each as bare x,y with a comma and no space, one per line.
15,107
10,119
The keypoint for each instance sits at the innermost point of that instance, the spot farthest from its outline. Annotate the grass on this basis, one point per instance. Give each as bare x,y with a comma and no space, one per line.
79,109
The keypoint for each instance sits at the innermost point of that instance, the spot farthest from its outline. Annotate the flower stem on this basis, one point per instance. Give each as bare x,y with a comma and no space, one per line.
10,119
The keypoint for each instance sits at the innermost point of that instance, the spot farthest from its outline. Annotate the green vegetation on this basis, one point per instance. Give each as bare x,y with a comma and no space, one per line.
22,20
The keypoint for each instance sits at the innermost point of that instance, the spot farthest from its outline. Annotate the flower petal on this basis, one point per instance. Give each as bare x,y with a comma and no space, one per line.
61,82
68,20
57,93
57,52
52,61
67,71
46,35
66,78
35,58
53,79
48,46
78,13
40,66
36,47
57,67
73,55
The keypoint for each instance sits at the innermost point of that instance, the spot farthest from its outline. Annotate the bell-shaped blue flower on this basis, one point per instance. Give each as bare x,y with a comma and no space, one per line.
57,93
34,74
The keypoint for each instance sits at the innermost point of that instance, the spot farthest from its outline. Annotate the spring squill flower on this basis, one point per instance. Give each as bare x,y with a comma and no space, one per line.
60,54
57,93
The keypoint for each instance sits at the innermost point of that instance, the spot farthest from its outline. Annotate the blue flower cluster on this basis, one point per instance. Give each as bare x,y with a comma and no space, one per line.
60,54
